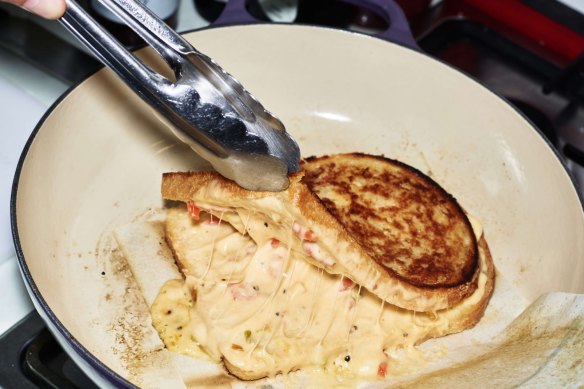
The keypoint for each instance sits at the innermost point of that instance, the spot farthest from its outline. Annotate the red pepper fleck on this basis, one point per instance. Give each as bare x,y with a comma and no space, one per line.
193,210
382,369
303,232
213,220
309,236
346,284
275,243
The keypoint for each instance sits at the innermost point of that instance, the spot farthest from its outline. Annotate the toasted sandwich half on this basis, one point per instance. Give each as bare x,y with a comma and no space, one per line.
380,223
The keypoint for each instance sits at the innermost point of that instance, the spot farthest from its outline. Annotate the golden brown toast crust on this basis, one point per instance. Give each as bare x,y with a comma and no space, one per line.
300,203
402,218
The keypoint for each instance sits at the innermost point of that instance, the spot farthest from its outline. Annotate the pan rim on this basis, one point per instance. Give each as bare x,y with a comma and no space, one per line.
39,301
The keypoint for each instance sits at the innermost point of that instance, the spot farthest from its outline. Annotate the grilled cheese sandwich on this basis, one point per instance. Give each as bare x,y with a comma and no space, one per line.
276,282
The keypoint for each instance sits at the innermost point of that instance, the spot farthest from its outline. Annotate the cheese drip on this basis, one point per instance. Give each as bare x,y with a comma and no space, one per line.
268,311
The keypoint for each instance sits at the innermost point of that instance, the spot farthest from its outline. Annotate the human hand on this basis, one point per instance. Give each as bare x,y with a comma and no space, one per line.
48,9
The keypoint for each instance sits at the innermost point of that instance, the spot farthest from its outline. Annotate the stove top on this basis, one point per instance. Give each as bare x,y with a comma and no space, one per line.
548,89
32,358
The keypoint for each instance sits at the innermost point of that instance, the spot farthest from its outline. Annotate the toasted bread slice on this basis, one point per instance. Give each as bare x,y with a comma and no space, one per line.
327,243
403,219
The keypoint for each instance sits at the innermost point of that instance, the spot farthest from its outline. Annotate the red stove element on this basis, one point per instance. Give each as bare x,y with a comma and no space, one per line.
525,23
545,32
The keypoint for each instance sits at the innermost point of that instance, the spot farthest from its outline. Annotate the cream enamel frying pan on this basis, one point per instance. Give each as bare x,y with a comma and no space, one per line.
95,161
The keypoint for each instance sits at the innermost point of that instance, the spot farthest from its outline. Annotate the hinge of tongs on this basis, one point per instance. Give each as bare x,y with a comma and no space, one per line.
206,107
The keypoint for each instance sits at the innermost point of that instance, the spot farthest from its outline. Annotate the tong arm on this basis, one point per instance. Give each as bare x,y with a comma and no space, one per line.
165,96
104,46
206,107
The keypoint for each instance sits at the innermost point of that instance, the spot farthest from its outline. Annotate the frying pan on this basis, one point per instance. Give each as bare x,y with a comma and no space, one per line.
96,158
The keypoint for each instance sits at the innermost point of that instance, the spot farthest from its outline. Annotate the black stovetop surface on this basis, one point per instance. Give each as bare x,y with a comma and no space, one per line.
31,358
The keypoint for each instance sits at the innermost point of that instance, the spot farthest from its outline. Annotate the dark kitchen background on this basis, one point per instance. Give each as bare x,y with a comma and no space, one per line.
531,52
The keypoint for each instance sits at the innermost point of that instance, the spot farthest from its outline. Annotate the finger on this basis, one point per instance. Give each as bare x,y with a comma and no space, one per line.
49,9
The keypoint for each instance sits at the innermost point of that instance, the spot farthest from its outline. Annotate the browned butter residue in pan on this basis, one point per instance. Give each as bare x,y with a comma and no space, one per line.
136,343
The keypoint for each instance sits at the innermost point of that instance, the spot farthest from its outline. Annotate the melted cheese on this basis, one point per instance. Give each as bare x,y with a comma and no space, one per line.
269,311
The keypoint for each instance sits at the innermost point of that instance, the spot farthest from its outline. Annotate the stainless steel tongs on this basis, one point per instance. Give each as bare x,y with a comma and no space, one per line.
206,107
